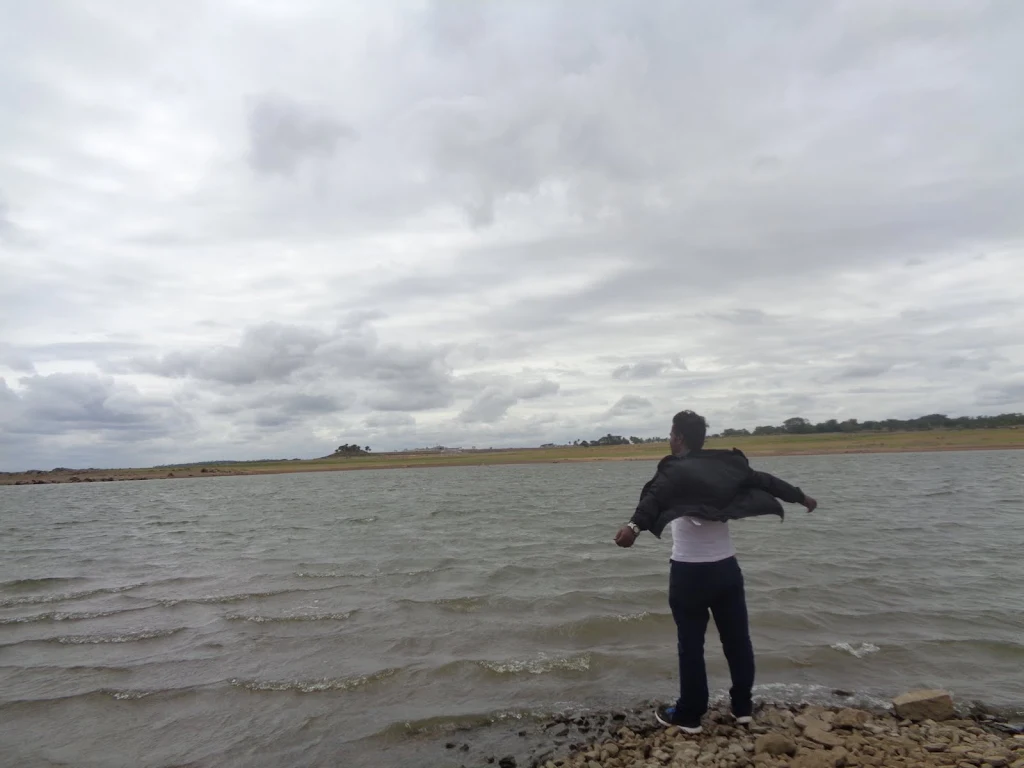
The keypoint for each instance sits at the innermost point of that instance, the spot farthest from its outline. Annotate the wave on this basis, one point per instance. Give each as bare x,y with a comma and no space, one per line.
126,695
11,602
538,665
260,619
64,616
128,637
361,520
316,686
795,694
45,582
594,629
237,597
460,604
860,651
120,694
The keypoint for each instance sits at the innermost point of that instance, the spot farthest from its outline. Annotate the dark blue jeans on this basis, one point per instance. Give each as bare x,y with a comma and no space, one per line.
695,589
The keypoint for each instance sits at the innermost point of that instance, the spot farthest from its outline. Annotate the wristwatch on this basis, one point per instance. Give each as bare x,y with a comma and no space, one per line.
634,528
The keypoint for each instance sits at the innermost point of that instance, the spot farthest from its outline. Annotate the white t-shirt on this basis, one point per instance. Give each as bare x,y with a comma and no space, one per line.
700,541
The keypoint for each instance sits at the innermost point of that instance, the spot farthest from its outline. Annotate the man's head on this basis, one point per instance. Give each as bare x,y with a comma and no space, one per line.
688,432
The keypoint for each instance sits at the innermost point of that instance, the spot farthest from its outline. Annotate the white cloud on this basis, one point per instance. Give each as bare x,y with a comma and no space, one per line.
499,223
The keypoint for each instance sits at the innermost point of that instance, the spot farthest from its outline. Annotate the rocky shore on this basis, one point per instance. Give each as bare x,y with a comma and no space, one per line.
921,730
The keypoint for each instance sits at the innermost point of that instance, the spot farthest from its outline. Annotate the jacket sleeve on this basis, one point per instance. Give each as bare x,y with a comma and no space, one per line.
653,496
777,487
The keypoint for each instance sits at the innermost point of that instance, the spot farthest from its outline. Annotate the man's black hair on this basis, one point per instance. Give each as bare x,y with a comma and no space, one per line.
691,428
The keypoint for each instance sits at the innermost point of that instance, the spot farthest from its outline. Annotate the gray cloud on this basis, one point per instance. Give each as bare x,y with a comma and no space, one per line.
866,371
58,402
271,352
492,403
81,416
16,359
489,406
6,225
510,218
1006,394
536,389
648,369
629,404
389,420
282,134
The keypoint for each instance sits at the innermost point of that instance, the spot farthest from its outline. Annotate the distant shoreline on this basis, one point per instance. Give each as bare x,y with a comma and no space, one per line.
754,447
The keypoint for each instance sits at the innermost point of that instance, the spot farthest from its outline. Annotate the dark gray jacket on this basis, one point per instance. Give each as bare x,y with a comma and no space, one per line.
715,485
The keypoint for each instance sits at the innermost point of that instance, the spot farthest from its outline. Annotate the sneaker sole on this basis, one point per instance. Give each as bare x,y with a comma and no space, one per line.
683,728
746,720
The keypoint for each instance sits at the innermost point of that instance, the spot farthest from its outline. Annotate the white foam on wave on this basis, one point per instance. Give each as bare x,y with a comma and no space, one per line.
314,686
538,665
789,694
129,695
59,616
12,602
633,616
860,651
130,637
260,619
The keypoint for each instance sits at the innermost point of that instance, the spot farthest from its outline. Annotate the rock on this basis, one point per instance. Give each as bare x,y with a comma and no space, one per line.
935,746
850,718
817,759
996,761
507,762
825,738
780,718
811,721
925,705
774,744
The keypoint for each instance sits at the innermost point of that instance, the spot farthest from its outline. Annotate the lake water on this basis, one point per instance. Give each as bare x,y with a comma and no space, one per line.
345,618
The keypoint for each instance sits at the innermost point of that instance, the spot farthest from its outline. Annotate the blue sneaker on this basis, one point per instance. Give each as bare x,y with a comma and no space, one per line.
667,717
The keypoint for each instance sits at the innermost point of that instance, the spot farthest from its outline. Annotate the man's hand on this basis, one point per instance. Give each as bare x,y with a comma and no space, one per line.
810,503
625,537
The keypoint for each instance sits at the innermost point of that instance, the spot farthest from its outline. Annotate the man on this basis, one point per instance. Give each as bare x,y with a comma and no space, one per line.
698,491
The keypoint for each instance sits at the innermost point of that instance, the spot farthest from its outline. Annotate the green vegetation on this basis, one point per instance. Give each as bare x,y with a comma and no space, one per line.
351,450
800,426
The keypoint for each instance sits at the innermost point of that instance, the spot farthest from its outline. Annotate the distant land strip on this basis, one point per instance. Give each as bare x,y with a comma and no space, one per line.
1003,438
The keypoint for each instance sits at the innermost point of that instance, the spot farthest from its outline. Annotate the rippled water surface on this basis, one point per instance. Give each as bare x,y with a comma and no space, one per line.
321,619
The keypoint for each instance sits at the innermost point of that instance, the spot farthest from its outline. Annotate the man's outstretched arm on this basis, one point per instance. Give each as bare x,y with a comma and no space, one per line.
652,497
780,489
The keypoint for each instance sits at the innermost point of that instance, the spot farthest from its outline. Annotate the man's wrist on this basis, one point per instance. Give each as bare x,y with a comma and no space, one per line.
633,527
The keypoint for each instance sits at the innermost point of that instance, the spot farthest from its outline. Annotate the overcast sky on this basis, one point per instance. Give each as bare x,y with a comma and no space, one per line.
262,228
